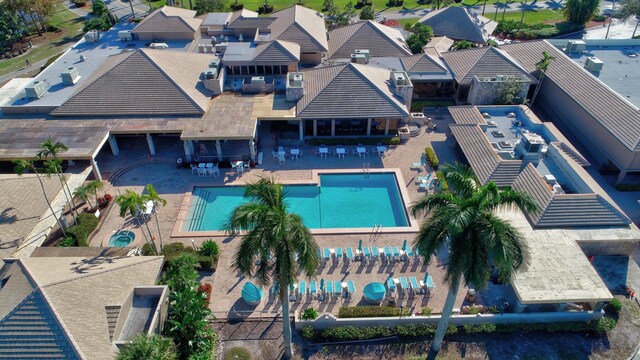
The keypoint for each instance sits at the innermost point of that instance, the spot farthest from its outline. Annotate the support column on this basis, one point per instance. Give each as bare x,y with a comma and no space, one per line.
152,147
301,129
621,176
333,127
315,127
188,149
519,308
114,145
219,150
386,126
369,127
96,170
252,150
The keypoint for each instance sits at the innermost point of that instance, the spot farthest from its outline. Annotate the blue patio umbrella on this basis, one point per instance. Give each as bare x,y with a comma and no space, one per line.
322,285
404,245
360,245
426,275
251,294
374,292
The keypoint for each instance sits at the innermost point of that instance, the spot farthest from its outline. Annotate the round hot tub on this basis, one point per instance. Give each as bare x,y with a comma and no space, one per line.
122,238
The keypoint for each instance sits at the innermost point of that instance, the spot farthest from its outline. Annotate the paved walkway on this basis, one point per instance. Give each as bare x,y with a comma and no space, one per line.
489,10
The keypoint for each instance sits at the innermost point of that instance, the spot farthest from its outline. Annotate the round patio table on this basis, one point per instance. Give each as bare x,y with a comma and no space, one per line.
374,292
251,294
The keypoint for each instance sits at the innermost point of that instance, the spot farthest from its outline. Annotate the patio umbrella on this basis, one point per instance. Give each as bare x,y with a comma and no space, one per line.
322,285
404,245
360,245
426,275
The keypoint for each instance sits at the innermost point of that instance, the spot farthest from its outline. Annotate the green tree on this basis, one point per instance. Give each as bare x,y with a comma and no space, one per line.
154,347
630,8
441,3
464,221
10,30
508,91
93,187
22,166
345,17
131,203
152,195
367,13
542,67
54,166
581,11
208,6
99,8
97,23
52,149
462,44
421,34
83,193
272,235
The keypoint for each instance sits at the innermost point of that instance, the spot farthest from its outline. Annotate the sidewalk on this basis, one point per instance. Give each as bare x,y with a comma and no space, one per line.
489,10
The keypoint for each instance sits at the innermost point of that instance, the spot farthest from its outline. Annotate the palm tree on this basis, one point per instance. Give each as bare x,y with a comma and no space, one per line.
49,148
495,17
20,167
83,193
93,187
154,347
542,66
131,202
152,195
54,166
274,236
464,220
523,5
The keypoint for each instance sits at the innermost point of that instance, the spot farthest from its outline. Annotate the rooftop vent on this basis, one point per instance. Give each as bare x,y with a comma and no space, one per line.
125,35
36,89
214,64
257,80
593,64
297,80
294,86
533,142
159,46
575,47
210,74
70,76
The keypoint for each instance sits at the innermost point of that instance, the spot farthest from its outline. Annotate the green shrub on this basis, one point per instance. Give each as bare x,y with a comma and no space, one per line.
69,241
432,158
235,7
394,141
473,310
172,250
307,332
147,250
80,3
209,248
628,187
444,186
426,311
237,353
599,18
603,325
613,307
101,23
309,314
85,225
479,328
265,9
419,105
346,333
371,311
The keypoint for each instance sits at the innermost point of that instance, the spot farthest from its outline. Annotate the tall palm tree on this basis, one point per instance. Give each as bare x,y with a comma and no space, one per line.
83,193
495,17
277,238
52,149
464,220
93,187
20,167
131,202
542,66
54,166
153,195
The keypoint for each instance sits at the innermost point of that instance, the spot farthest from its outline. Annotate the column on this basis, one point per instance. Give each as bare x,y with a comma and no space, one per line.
315,127
621,176
188,149
96,170
219,150
252,150
368,126
301,129
114,145
519,308
386,126
333,127
152,147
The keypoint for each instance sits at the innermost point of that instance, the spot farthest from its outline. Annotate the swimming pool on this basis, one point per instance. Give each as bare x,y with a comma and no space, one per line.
340,201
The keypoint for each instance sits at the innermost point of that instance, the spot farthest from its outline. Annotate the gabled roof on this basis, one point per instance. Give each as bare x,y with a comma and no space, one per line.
144,82
459,23
483,62
241,14
216,19
379,39
277,51
348,91
566,210
61,302
616,114
423,63
441,44
169,19
302,26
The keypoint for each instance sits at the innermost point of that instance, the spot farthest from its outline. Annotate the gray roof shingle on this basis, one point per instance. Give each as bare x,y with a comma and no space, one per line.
379,39
144,82
483,62
277,51
169,19
348,91
302,26
459,23
423,63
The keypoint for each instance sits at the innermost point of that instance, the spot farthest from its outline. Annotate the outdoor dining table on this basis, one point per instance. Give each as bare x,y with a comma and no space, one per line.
323,151
294,153
381,149
362,152
341,152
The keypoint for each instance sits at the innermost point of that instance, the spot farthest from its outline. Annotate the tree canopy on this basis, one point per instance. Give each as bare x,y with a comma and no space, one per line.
581,11
10,30
367,13
420,37
209,6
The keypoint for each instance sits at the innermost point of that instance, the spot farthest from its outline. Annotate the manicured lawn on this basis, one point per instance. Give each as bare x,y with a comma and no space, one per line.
535,17
53,43
410,22
378,5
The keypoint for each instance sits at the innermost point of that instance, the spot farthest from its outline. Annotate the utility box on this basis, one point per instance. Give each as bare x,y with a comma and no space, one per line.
593,64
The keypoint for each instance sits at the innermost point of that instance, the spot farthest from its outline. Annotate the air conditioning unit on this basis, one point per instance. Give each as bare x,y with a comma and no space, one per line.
159,46
36,89
92,36
125,35
364,52
593,64
214,64
257,80
297,80
70,76
210,74
358,58
575,47
400,79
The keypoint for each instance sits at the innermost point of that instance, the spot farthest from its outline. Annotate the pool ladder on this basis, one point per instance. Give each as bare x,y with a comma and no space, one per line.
365,169
376,231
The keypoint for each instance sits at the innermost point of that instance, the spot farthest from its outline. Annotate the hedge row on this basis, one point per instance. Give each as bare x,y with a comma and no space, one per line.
172,250
371,311
444,186
419,105
628,187
348,333
86,223
432,158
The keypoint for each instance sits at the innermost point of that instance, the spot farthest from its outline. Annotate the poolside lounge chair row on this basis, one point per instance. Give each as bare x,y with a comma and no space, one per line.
409,286
324,289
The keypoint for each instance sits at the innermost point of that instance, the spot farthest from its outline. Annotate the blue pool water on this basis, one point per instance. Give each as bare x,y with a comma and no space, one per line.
341,201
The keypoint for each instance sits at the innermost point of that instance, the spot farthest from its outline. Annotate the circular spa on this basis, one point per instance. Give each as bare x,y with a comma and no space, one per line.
122,238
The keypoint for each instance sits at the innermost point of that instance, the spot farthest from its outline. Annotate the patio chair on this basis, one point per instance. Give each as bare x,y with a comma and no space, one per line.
337,288
194,168
274,154
302,289
339,254
351,287
349,253
366,252
313,289
409,251
375,252
414,284
416,166
387,253
395,251
281,159
326,254
391,285
328,288
404,284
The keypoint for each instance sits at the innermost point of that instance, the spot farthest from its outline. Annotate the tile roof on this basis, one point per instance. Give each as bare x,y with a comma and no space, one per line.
300,25
379,39
483,62
348,91
277,51
74,292
169,19
441,44
423,63
459,23
216,19
612,111
467,115
240,14
144,82
251,23
566,210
